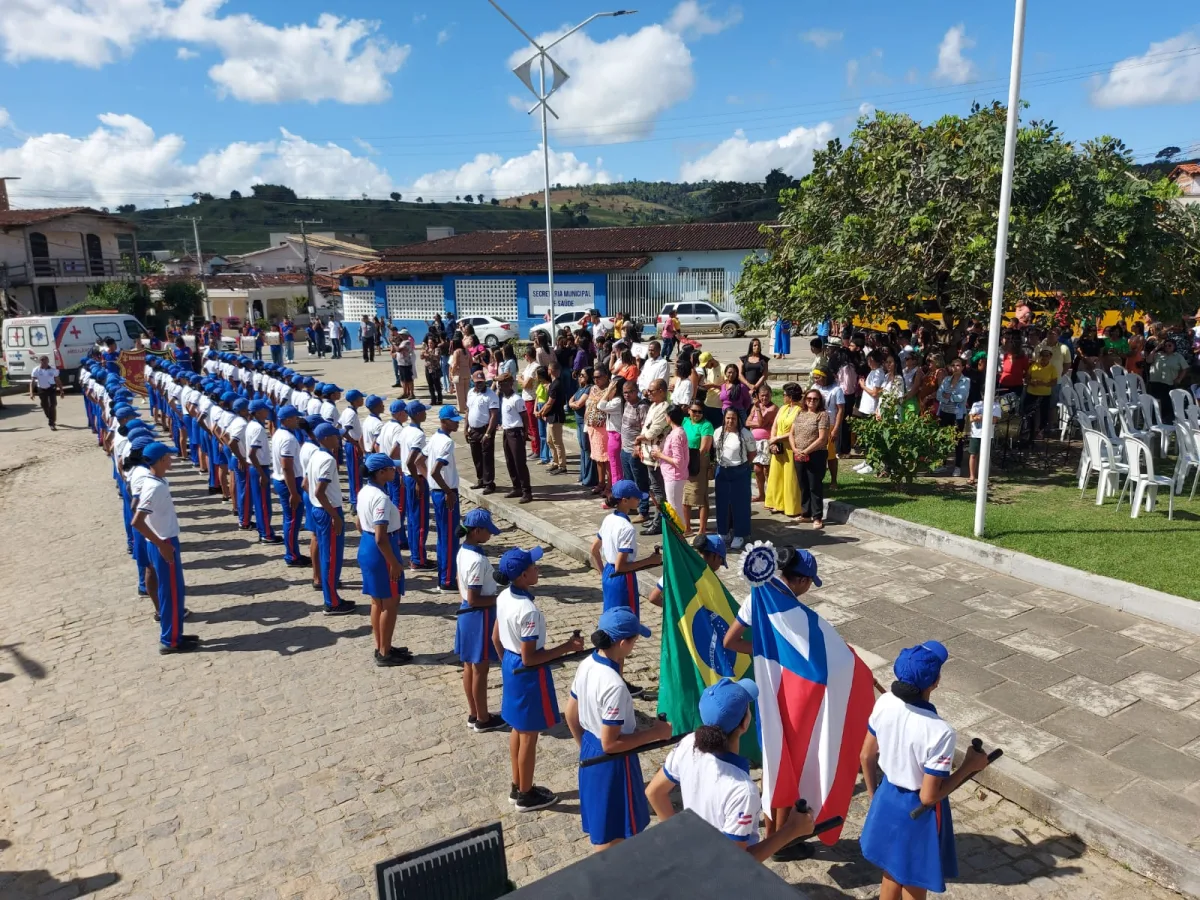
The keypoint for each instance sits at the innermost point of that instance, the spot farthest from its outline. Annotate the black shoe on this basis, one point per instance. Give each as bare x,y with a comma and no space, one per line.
477,485
471,720
423,567
187,614
635,690
271,540
400,653
184,647
343,609
538,798
389,660
652,530
514,794
495,723
188,638
214,490
490,489
528,498
302,562
512,495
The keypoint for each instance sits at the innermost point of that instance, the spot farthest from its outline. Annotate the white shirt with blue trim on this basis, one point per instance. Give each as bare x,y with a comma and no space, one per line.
322,467
440,449
475,571
154,499
285,452
718,788
913,741
617,535
351,424
370,432
602,696
411,438
520,620
375,507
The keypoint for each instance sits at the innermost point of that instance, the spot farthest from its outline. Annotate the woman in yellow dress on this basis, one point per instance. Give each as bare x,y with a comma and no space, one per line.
783,487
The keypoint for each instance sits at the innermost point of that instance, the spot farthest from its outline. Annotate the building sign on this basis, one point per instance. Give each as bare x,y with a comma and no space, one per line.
566,297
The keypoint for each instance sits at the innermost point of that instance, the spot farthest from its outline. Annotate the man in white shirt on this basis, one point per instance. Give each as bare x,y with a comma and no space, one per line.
512,421
44,379
372,424
483,418
352,441
443,488
414,472
335,336
654,368
286,475
325,495
258,456
389,445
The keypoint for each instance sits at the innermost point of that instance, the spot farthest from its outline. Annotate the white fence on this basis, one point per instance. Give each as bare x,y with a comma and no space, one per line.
642,295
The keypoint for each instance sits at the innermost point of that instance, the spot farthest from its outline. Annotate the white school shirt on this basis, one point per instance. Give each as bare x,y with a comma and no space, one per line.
236,432
530,371
313,407
512,411
977,410
137,475
718,788
617,535
474,571
300,401
389,437
351,424
120,449
479,407
329,411
258,445
913,741
370,432
520,620
203,405
44,378
440,449
307,449
322,466
411,438
375,507
285,451
155,501
602,696
876,379
834,398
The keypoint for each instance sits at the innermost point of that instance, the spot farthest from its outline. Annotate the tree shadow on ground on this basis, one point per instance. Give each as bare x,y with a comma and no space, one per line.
30,667
39,883
289,640
242,588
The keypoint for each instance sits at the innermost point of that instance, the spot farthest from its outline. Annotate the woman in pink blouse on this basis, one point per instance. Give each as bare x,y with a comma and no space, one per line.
673,459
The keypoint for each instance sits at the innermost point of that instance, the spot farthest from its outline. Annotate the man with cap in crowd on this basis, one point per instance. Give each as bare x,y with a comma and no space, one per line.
286,476
443,488
325,495
414,475
258,458
483,418
515,428
372,424
352,441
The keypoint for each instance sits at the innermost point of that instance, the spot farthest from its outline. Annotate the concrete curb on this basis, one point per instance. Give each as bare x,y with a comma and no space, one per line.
1157,606
1147,853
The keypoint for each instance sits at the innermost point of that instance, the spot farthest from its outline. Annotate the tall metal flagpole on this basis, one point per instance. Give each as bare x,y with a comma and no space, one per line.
998,275
546,196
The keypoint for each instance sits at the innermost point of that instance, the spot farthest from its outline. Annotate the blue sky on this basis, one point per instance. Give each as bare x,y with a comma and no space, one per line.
110,101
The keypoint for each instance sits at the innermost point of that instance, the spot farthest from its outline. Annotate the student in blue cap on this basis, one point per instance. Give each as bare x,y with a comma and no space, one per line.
914,748
325,496
389,445
286,477
258,472
530,703
372,424
476,581
443,490
614,552
612,795
352,442
306,427
412,465
379,556
714,781
156,520
235,440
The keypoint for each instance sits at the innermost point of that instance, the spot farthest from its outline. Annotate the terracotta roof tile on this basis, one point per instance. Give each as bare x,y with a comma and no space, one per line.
1186,169
391,268
10,218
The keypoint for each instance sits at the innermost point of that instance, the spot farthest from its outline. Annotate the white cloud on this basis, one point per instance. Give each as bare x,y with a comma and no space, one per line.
691,20
443,36
821,37
1163,74
953,66
419,18
124,161
336,59
618,87
740,159
5,118
366,146
491,174
851,72
185,53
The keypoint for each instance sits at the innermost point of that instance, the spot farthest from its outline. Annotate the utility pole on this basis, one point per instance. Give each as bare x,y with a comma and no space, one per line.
308,272
199,266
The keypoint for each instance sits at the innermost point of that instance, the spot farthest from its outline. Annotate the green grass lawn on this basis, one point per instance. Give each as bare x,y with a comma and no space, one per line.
1041,514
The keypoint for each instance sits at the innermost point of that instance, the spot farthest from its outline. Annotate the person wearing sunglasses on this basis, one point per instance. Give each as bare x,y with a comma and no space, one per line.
809,442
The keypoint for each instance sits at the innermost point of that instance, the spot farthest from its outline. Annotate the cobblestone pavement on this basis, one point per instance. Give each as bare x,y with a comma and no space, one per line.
278,761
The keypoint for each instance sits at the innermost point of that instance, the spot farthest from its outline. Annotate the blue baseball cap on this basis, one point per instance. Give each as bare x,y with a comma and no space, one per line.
319,387
241,404
228,397
628,490
256,405
287,411
921,666
353,394
724,704
480,518
714,543
123,410
516,561
449,414
154,451
804,563
375,462
324,430
332,389
620,623
416,406
141,442
374,400
398,406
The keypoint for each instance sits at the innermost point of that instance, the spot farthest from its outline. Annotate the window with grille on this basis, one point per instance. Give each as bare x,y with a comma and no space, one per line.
487,297
415,301
356,304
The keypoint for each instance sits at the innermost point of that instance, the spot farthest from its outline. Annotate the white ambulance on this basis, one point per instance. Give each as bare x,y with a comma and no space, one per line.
65,339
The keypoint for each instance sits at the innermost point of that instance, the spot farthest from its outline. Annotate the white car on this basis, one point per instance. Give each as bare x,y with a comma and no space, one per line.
698,316
491,332
566,319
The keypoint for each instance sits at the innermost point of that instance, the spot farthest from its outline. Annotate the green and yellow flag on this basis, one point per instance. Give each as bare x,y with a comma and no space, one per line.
697,612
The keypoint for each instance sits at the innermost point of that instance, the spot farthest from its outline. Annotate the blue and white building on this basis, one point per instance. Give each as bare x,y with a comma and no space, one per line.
503,273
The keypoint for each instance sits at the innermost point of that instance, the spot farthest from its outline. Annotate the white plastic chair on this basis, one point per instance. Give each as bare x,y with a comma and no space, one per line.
1102,458
1129,427
1143,484
1185,408
1151,421
1188,442
1068,408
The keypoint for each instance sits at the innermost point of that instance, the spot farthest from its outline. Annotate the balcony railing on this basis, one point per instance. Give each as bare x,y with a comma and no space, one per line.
65,269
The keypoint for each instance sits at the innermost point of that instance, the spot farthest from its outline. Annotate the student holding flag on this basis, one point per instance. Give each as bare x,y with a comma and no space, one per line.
614,552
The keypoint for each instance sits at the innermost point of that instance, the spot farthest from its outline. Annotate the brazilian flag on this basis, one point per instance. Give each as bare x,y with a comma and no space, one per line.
697,612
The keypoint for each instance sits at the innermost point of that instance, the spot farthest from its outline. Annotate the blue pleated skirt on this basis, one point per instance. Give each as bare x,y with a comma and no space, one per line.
376,581
529,702
473,636
612,795
914,852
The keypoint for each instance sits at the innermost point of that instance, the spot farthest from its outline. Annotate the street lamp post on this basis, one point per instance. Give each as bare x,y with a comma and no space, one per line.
998,275
543,92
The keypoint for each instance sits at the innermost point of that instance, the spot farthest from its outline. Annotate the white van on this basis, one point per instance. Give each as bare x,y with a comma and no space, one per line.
65,339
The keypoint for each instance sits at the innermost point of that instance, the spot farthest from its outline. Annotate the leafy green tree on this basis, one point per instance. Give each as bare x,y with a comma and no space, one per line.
469,198
395,196
235,195
495,201
181,300
277,192
126,208
1167,154
902,221
479,197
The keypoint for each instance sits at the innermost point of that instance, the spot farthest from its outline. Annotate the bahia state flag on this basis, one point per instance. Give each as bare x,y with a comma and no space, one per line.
814,697
697,612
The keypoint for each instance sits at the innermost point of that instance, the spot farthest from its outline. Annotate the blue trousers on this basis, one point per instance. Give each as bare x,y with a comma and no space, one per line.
445,514
126,513
291,522
276,354
169,570
290,347
241,489
189,427
331,549
416,516
633,469
353,470
260,496
544,445
733,500
210,444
